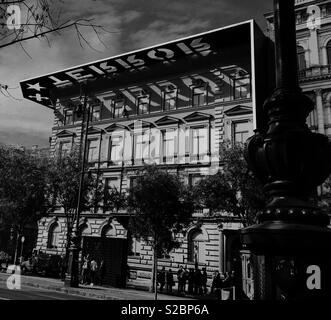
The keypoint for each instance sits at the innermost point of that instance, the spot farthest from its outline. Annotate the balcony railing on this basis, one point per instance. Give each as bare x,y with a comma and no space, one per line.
315,72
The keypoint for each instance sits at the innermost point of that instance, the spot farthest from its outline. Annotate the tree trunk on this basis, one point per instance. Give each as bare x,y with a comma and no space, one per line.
153,286
155,273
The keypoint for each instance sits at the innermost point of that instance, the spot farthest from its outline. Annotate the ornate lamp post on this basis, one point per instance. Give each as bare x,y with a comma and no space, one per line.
290,247
72,276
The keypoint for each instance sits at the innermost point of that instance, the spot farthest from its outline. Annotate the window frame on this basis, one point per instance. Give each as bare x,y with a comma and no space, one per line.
97,149
233,131
66,114
165,100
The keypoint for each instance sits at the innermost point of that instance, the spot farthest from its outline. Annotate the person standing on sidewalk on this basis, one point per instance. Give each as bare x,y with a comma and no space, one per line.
161,278
191,281
204,279
86,269
180,278
94,270
170,281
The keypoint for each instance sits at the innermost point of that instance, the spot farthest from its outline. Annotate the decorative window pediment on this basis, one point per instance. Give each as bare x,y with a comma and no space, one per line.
94,130
65,134
197,116
238,111
140,124
167,121
115,127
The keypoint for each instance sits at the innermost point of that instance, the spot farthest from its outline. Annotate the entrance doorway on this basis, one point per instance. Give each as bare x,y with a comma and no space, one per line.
111,255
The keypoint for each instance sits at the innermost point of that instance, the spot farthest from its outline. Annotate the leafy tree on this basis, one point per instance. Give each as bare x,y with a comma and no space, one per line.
24,193
64,176
233,189
161,206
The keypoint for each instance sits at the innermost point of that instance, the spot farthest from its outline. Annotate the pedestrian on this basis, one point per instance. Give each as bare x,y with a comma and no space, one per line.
63,266
190,281
161,278
216,283
170,281
93,271
185,278
101,272
180,277
197,281
226,281
86,269
204,278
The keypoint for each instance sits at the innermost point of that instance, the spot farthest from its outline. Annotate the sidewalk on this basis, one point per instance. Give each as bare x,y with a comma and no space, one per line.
95,292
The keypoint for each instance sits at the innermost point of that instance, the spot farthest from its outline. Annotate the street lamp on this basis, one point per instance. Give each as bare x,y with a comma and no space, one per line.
22,245
72,275
291,245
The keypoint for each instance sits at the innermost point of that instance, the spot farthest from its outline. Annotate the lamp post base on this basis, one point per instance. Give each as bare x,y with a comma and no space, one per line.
72,275
290,261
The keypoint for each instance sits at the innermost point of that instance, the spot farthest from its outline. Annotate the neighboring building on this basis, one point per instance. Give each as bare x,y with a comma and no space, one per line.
313,19
171,105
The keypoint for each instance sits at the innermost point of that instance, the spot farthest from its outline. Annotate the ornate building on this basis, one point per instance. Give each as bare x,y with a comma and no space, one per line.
171,105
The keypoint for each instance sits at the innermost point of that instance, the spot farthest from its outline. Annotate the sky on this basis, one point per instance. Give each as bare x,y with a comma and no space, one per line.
132,24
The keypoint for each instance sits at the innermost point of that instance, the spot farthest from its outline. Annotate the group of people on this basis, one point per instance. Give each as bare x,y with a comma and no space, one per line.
190,281
91,272
221,281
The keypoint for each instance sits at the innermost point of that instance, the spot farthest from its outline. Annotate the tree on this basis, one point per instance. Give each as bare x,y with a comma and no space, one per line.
161,206
233,189
64,179
23,20
24,193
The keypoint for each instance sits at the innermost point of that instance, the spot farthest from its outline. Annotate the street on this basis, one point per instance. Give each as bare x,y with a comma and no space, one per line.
29,293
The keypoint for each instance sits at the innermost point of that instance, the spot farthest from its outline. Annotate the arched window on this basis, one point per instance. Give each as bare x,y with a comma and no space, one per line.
135,247
108,232
196,246
328,51
84,230
301,58
53,236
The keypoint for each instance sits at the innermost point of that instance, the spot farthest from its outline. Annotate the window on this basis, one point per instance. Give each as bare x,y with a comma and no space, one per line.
112,183
169,100
95,113
199,140
196,246
241,131
301,58
135,247
133,182
53,236
194,179
328,51
118,107
68,117
143,104
199,96
241,88
65,148
168,145
93,150
141,146
116,144
108,232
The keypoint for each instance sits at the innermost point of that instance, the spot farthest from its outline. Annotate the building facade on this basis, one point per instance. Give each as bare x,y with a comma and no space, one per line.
171,105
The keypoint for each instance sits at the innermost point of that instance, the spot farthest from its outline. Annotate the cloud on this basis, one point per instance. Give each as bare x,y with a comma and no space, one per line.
159,31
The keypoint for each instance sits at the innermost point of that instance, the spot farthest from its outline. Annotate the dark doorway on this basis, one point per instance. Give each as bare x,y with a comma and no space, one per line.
111,254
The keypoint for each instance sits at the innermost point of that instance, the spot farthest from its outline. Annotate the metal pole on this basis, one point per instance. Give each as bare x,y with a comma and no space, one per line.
292,235
72,277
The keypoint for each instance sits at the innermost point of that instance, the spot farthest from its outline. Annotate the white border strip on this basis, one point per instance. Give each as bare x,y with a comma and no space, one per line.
139,50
